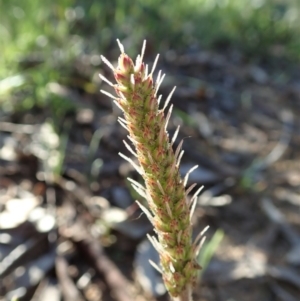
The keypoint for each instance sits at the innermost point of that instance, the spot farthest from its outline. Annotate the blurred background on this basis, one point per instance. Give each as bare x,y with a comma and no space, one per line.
69,227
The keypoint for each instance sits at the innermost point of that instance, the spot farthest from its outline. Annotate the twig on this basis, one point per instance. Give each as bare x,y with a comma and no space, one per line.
69,289
119,285
18,128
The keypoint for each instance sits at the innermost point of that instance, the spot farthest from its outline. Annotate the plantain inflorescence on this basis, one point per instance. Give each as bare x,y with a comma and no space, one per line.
170,210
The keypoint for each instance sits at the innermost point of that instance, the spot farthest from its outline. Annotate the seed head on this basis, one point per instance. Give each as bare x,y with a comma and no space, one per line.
159,166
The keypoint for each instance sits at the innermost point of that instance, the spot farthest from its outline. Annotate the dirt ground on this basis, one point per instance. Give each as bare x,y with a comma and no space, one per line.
77,234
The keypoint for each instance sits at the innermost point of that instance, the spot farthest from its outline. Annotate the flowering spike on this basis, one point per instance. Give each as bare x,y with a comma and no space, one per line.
169,211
